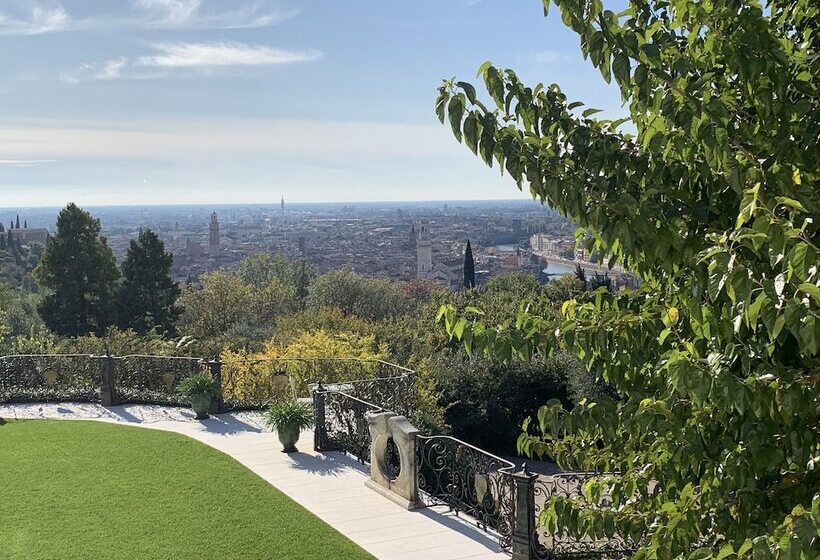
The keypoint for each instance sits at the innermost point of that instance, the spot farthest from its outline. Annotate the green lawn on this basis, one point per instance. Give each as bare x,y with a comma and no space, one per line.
91,490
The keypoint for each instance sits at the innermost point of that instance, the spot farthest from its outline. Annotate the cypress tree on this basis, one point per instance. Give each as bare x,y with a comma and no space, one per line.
147,297
469,267
78,272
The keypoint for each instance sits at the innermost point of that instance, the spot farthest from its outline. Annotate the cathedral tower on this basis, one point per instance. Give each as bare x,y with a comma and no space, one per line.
424,250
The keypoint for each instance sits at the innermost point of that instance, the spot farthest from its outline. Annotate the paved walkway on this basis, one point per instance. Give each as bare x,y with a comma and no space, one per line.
331,486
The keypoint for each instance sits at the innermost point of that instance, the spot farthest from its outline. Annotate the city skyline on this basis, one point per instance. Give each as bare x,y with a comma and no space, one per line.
172,101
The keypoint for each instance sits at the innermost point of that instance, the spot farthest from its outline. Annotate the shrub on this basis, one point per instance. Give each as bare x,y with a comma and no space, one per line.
249,375
485,401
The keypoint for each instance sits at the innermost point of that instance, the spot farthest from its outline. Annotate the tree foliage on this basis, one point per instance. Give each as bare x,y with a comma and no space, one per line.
368,298
713,203
80,273
147,296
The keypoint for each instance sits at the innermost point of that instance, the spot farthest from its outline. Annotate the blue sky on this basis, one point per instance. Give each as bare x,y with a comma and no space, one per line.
222,101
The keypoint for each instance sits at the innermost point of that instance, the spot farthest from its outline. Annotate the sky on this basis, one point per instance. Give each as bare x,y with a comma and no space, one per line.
243,101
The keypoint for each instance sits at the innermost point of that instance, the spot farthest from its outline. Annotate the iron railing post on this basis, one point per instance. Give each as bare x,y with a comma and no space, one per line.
218,403
524,528
108,388
320,427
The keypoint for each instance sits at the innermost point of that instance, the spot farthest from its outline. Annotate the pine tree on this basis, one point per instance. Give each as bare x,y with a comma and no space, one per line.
469,267
79,272
147,297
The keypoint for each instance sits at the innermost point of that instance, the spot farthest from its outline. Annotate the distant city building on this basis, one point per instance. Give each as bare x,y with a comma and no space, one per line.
213,239
26,236
282,203
424,250
193,249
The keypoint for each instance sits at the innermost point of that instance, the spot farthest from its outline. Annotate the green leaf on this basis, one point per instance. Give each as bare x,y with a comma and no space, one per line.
748,205
456,112
810,289
471,132
621,69
469,90
791,203
441,104
589,112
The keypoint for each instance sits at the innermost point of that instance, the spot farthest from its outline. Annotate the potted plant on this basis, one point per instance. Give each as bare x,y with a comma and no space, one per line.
200,390
289,417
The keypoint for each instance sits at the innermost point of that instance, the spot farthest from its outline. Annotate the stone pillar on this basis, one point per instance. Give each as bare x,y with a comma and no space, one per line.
401,487
524,528
217,404
108,389
319,427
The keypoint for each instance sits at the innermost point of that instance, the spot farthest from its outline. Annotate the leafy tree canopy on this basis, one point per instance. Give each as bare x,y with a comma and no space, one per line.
368,298
80,273
147,296
713,202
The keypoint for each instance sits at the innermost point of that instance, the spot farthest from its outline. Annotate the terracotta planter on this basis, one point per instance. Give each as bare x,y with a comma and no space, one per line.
201,405
288,435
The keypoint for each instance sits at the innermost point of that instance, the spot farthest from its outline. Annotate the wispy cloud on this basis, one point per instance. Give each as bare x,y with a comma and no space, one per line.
171,58
25,162
37,18
204,55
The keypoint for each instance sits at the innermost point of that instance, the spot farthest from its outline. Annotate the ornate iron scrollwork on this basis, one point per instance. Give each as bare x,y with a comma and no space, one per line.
346,427
44,377
392,460
559,544
468,480
154,379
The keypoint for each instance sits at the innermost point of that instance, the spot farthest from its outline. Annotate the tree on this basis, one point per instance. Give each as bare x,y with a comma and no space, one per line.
713,203
373,299
147,296
236,309
469,267
260,270
79,272
217,310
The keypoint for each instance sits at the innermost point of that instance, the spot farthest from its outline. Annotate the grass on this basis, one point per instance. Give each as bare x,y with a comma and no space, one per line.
88,490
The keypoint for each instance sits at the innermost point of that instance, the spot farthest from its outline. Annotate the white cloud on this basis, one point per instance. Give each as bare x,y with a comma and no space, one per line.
180,57
204,55
39,18
25,162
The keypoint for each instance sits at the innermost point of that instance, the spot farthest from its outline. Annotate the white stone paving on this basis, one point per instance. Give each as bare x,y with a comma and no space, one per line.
331,485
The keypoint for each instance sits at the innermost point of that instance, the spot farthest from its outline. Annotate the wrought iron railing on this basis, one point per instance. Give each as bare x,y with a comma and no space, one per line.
154,379
467,480
49,377
342,423
556,543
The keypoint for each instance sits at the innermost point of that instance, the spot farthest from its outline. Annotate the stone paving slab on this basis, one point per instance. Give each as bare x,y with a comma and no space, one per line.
330,486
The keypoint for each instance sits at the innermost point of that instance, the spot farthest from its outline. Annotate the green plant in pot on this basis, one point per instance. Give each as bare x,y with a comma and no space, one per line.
289,417
200,390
